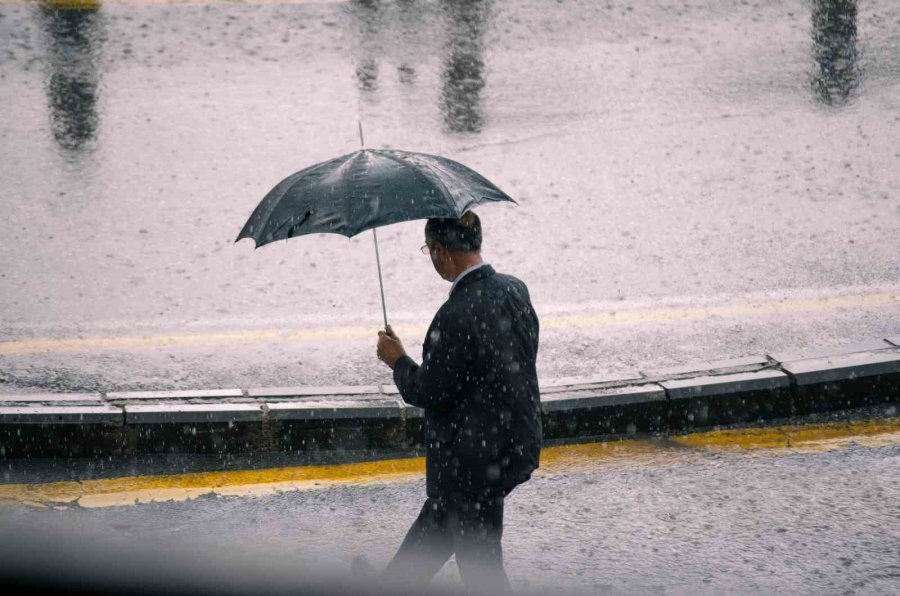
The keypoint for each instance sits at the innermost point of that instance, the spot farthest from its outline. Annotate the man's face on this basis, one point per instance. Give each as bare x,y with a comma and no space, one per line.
440,258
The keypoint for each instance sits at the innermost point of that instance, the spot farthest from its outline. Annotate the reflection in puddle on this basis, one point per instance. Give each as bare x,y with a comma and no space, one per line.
463,76
411,19
73,34
834,51
395,32
367,14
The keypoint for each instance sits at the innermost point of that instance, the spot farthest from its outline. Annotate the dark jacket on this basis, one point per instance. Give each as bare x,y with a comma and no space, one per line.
478,386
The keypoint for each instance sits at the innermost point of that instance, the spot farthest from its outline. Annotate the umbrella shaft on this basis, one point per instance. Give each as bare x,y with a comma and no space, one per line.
380,282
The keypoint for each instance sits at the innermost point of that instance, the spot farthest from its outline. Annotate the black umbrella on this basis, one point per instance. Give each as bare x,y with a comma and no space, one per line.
364,190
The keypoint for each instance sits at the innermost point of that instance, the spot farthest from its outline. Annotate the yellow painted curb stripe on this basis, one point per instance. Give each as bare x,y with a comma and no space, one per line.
180,487
567,458
128,490
789,436
593,320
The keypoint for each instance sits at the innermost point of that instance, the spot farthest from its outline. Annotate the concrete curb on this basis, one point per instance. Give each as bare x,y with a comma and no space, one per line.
98,414
192,413
128,396
312,419
79,398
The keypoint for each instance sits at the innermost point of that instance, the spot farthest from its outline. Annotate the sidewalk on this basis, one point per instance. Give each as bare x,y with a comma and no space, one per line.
360,419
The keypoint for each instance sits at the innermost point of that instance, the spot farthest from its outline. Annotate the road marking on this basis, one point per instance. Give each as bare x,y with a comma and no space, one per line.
181,487
739,309
808,437
133,490
591,320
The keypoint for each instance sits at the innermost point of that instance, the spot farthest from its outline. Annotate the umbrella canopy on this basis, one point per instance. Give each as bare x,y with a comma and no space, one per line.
365,190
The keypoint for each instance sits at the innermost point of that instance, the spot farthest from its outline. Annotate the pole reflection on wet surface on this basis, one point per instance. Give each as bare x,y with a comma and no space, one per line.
74,35
835,51
463,76
369,16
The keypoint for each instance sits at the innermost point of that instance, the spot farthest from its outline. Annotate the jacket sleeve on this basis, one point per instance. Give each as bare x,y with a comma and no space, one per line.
436,383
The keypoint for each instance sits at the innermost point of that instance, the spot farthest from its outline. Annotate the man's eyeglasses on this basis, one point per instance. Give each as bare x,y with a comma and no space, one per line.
425,249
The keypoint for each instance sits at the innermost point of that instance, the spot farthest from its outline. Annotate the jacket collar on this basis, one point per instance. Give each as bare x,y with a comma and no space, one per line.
482,272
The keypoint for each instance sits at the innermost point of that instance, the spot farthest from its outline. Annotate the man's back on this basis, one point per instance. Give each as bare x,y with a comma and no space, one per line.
478,386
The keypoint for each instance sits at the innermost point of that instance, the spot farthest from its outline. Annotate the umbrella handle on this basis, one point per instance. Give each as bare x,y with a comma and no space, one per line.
380,282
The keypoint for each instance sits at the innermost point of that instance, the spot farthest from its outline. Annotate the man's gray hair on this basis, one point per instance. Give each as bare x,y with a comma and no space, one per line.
458,235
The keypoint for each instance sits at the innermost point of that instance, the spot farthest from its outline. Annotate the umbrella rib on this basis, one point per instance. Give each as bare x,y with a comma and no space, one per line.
265,212
475,200
447,190
418,171
441,164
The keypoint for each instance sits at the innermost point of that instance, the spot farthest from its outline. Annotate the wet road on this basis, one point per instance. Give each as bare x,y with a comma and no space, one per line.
801,510
708,159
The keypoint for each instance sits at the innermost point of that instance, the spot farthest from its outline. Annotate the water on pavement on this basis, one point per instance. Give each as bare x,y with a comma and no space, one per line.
820,518
662,155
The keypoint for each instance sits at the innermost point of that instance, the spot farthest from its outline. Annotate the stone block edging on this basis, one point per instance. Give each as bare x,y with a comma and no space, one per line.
701,395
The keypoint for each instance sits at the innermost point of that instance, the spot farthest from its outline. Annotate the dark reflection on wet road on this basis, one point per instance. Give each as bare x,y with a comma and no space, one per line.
463,76
410,19
74,38
834,51
392,32
369,17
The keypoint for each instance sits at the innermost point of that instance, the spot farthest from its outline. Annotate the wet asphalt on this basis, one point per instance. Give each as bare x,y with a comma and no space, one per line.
666,521
663,157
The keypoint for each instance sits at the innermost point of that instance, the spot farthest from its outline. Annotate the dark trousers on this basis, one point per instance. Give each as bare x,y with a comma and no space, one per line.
470,528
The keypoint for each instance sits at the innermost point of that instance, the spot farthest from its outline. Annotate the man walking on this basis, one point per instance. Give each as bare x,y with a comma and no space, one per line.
478,387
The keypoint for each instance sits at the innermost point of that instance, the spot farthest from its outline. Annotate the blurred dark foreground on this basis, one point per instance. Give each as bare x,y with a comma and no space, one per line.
74,561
